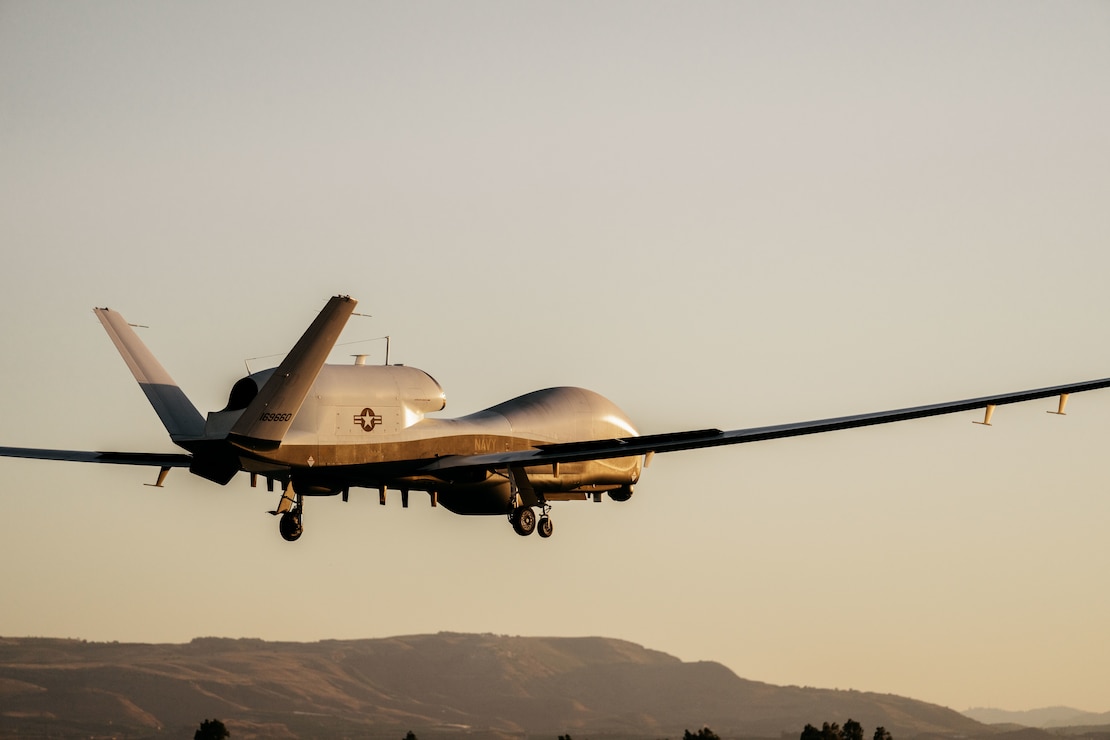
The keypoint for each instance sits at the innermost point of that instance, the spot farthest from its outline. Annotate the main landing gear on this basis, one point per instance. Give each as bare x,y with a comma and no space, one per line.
524,522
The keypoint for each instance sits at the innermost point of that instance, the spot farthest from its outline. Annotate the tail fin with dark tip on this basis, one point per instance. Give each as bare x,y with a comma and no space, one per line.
177,412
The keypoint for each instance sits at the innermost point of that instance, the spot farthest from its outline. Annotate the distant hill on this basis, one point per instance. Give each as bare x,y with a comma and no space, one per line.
443,685
1044,718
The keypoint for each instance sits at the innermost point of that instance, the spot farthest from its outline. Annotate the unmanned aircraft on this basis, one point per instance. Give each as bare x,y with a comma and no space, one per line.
315,429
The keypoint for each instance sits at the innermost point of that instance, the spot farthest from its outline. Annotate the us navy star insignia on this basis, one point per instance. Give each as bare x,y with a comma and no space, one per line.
368,419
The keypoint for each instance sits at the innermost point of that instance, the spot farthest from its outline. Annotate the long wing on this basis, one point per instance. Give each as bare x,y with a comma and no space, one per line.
673,442
151,459
619,447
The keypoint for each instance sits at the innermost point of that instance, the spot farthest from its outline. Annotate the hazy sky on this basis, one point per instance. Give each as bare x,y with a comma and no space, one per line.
716,214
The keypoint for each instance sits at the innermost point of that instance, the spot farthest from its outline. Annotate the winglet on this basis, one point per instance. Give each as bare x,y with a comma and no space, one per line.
266,420
177,412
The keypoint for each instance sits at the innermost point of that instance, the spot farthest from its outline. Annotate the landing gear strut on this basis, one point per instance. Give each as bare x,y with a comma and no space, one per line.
291,510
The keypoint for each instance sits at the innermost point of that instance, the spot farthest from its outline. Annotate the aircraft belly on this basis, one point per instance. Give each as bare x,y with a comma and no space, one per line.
589,474
489,498
573,482
412,450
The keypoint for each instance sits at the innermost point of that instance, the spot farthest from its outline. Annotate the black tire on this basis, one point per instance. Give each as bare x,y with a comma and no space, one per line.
524,520
621,494
546,528
290,526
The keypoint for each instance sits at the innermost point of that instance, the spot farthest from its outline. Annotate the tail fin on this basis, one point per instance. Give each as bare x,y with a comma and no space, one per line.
177,412
267,418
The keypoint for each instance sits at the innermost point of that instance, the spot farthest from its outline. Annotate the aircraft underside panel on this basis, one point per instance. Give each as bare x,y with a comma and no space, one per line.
486,499
477,492
412,452
494,496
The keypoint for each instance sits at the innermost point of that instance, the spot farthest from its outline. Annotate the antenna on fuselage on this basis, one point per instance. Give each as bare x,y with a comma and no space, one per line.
360,359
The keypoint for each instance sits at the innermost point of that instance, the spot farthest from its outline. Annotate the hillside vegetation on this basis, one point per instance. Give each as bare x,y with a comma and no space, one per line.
437,685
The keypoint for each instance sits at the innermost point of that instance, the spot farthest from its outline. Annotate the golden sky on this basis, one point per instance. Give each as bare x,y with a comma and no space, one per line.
716,214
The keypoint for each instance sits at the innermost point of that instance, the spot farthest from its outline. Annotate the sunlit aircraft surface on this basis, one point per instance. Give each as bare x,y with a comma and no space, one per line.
315,429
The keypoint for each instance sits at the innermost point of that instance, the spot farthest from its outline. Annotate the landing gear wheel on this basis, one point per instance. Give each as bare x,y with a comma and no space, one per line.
546,527
621,494
523,520
290,526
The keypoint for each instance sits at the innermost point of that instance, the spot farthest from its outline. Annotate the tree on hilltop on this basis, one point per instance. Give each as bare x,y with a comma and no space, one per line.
703,734
211,729
851,730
